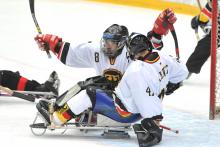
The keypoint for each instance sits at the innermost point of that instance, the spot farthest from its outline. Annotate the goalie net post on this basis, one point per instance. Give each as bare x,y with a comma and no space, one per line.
214,112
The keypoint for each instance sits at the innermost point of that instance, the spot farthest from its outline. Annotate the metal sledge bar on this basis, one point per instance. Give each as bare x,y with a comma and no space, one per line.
37,93
73,126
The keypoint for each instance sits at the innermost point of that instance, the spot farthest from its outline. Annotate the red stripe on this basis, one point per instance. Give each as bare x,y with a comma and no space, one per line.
122,112
22,83
207,13
66,116
152,61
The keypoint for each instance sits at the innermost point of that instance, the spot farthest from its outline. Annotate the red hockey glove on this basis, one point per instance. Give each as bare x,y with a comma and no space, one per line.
164,22
53,41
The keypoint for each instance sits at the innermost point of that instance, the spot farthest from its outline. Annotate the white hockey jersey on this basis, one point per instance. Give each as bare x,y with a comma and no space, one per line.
143,82
87,55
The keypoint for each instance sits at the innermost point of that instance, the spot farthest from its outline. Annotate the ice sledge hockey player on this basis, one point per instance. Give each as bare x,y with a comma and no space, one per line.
138,95
15,81
110,59
202,49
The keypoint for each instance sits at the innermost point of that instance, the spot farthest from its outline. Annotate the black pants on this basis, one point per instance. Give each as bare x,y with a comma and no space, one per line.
11,80
200,55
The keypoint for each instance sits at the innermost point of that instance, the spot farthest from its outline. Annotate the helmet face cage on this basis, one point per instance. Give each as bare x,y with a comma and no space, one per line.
137,43
113,40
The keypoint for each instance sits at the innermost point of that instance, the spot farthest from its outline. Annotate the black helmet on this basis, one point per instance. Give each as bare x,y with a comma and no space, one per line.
136,43
116,34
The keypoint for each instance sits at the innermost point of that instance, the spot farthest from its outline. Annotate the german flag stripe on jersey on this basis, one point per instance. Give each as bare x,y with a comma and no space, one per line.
152,58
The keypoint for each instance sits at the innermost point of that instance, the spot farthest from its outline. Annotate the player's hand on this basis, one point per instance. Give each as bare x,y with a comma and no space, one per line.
205,26
47,39
171,87
164,22
195,22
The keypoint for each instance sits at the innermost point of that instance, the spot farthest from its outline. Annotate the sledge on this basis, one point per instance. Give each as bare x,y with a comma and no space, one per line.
110,127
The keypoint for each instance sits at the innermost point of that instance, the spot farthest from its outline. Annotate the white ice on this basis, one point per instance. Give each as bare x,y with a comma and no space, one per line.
186,110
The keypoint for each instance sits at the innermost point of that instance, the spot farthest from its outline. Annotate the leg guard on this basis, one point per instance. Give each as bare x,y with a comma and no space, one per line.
91,91
9,79
200,55
14,81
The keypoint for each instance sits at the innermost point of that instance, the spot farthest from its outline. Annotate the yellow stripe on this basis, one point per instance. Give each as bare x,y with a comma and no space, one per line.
156,4
60,117
203,18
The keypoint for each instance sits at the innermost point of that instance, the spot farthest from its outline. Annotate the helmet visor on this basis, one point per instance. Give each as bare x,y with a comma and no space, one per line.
109,47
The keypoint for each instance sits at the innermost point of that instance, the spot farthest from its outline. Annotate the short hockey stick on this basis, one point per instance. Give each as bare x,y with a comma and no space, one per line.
17,94
196,29
197,33
173,32
68,95
169,129
31,2
138,129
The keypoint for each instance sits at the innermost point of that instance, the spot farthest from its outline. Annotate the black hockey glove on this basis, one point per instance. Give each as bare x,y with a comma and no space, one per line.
195,22
171,87
148,132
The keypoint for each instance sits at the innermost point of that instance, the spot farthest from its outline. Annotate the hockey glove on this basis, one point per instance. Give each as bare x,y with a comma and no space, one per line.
53,41
164,22
155,39
148,132
171,87
195,22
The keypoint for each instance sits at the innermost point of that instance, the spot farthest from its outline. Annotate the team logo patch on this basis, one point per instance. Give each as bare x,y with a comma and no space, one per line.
113,75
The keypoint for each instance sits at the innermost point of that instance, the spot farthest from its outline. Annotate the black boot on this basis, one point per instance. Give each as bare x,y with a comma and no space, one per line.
51,85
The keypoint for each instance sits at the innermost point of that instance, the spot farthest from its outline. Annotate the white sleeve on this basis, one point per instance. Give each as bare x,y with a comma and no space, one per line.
177,70
81,55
